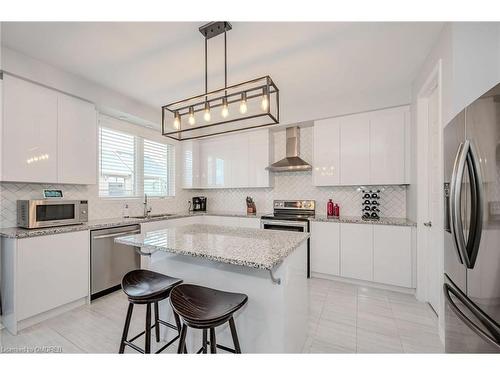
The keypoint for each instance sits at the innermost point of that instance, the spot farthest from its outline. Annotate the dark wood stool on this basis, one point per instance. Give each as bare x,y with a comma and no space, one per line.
145,287
206,308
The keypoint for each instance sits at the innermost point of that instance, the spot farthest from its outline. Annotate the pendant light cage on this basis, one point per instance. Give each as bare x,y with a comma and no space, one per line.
247,105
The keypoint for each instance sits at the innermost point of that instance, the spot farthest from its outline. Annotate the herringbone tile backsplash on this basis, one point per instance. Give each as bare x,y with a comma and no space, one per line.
289,185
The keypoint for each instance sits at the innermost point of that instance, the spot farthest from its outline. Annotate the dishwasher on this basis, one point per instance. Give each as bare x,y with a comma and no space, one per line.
110,261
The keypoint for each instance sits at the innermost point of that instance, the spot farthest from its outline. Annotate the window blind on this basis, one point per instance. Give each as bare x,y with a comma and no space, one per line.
159,164
131,165
116,163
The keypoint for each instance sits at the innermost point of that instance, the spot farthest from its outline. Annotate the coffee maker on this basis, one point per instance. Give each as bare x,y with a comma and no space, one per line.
199,203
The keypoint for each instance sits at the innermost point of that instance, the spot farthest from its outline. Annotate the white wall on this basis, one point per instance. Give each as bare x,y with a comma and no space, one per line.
470,62
106,100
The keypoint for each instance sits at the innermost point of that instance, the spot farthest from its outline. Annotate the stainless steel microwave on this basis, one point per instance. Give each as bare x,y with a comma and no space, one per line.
51,213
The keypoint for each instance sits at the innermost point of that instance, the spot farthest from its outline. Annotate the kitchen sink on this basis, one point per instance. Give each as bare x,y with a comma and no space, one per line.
151,216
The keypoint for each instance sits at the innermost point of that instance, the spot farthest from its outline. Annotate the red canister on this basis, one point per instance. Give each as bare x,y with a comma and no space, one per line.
329,208
336,210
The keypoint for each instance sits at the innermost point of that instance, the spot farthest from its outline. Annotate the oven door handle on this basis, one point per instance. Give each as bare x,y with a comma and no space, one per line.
284,223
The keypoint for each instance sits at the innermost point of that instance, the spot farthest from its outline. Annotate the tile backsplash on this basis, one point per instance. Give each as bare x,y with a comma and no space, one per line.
288,185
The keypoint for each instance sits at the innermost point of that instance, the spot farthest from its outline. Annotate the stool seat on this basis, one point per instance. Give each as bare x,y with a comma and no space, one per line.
201,306
146,285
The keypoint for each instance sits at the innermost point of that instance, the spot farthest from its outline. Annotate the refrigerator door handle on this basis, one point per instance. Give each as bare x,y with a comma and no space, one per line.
456,226
477,204
493,334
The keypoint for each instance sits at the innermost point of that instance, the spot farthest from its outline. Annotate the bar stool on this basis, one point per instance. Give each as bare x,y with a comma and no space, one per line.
206,308
145,287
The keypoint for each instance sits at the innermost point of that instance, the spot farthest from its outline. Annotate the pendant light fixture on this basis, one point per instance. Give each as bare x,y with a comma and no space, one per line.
246,105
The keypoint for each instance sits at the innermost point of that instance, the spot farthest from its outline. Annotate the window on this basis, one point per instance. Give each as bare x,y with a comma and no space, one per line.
131,166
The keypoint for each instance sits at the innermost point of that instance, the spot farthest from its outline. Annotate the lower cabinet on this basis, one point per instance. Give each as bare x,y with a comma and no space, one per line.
392,255
40,274
356,242
368,252
325,248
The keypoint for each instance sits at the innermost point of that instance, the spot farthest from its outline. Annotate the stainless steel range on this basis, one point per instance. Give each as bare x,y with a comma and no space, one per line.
291,215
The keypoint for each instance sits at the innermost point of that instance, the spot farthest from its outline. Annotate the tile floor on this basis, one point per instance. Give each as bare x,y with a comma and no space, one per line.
344,318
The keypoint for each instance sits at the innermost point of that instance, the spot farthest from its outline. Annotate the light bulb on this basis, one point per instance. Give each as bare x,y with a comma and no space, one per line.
191,118
207,116
225,109
177,120
265,100
243,103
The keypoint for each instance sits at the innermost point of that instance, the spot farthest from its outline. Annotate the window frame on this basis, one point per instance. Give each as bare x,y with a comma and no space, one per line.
140,135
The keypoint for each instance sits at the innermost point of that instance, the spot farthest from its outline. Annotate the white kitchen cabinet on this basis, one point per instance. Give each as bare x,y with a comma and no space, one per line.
231,221
326,163
355,150
325,248
356,257
47,137
77,142
170,223
249,222
43,276
370,148
392,258
190,164
228,161
387,146
29,132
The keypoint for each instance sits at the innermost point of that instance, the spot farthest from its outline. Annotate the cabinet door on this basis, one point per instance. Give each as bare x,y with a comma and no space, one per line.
249,222
325,248
356,254
258,158
190,164
387,146
29,139
77,141
354,150
326,163
392,255
52,271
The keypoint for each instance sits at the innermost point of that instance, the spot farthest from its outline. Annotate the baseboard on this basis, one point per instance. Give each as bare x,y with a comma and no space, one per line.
371,284
28,322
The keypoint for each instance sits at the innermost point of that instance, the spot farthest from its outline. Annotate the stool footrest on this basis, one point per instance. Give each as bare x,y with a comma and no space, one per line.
230,350
167,324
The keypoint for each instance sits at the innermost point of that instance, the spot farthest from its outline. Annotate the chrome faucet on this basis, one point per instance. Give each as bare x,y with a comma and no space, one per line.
147,209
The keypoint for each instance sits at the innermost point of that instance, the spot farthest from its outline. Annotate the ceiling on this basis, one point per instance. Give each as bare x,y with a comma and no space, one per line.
319,67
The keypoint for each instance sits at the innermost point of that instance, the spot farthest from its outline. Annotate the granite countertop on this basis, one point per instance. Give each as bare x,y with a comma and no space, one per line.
358,220
255,248
14,232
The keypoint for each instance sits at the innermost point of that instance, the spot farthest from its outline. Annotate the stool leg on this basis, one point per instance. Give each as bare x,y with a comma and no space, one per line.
157,323
177,322
182,340
126,327
235,336
205,341
213,343
147,338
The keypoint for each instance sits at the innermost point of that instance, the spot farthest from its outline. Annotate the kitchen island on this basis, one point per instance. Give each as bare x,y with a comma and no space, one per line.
269,266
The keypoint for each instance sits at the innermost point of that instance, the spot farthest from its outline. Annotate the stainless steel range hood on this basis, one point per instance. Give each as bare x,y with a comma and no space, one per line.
292,162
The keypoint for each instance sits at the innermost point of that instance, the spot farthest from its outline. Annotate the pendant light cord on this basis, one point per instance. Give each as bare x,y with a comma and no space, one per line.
206,70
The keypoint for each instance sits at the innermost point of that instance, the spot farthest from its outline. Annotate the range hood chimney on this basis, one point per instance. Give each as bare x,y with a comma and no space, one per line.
292,162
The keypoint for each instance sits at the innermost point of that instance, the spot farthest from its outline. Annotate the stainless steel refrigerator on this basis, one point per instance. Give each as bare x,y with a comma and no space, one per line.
472,227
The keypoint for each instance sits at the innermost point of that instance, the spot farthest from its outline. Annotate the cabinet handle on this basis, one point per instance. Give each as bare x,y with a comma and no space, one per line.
428,224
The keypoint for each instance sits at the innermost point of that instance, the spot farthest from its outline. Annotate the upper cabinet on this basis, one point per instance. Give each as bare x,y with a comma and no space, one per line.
29,132
387,146
326,170
229,161
47,137
363,149
77,146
